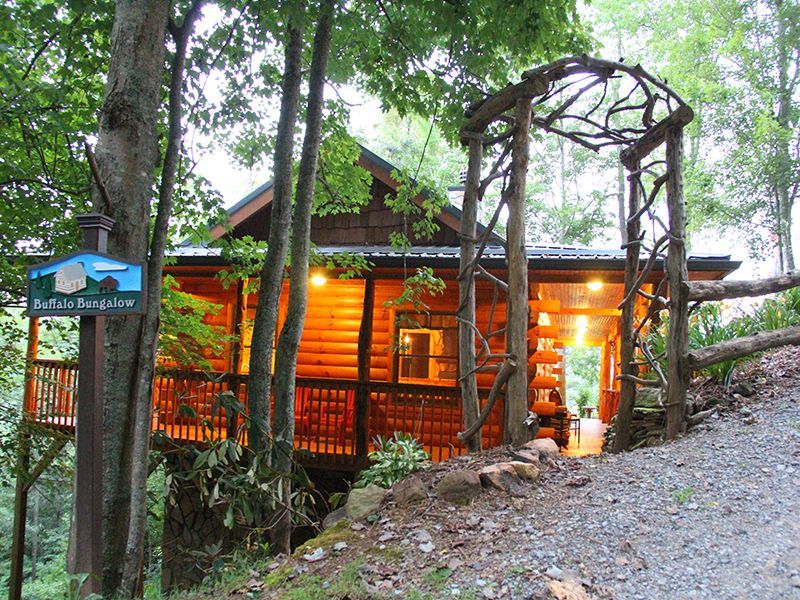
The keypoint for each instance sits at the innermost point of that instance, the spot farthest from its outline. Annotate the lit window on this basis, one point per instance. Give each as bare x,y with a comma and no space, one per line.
427,349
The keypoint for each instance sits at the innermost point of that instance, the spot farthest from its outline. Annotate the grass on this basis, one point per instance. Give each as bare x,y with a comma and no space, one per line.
684,494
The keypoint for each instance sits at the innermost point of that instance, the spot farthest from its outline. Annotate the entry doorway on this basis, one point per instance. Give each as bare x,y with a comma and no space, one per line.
582,367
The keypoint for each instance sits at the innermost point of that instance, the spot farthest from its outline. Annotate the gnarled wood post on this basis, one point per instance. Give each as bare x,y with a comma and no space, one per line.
466,287
627,390
677,275
516,432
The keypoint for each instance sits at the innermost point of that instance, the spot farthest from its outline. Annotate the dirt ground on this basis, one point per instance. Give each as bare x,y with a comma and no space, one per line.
715,514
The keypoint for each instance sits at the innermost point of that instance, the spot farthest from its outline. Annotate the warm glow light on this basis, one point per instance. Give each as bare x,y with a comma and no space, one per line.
407,339
582,322
595,285
318,280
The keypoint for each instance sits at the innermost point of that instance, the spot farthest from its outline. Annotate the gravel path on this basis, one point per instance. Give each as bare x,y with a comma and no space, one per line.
713,515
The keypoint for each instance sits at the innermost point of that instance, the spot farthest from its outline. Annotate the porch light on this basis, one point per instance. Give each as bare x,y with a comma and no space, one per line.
595,286
582,321
318,279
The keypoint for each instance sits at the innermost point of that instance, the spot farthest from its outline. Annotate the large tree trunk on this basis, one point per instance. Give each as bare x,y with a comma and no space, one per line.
126,155
271,280
516,432
289,341
143,392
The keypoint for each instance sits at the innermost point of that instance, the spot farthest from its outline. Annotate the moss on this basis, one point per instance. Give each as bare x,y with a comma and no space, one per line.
340,532
348,584
388,553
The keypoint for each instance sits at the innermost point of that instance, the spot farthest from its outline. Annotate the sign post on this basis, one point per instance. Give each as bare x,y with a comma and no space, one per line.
92,285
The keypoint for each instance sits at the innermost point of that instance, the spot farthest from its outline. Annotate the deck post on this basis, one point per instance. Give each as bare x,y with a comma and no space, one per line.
87,516
361,419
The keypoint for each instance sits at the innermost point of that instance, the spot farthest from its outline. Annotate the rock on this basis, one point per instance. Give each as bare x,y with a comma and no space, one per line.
409,491
503,477
459,487
545,447
649,398
332,518
525,470
363,502
527,455
743,388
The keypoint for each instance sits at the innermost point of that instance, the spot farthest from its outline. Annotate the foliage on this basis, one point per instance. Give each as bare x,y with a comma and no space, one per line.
712,323
735,62
187,339
393,459
583,376
236,481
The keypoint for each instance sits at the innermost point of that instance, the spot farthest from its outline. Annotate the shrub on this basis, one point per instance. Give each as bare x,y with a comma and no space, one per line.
393,459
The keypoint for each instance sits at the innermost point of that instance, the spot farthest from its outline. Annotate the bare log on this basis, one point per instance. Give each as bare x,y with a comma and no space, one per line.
736,348
655,136
505,372
721,290
502,101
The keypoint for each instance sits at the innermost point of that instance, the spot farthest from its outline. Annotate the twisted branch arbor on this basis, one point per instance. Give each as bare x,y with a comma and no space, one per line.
594,103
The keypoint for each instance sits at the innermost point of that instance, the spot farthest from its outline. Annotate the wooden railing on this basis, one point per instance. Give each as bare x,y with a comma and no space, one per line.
336,420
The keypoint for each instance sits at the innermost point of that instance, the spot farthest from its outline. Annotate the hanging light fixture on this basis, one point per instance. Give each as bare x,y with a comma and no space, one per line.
595,286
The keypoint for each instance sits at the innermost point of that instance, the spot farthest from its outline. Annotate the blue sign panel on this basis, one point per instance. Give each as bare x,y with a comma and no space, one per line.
86,283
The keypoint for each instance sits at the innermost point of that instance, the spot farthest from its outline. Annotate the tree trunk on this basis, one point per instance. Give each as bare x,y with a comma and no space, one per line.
623,227
627,388
678,372
143,392
126,156
516,432
289,341
466,293
271,279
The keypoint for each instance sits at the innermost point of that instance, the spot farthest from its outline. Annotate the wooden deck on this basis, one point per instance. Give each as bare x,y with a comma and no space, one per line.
591,439
336,420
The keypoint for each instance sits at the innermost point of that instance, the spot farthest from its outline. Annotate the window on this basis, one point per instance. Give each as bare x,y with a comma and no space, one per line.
427,348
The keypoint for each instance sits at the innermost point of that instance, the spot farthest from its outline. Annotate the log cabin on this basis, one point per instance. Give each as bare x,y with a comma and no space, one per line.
369,365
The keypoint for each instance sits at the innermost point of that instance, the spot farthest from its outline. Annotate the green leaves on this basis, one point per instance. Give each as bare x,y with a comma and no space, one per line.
393,460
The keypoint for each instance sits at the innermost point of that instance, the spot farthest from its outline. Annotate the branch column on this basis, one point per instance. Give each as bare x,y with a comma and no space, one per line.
466,287
516,432
678,373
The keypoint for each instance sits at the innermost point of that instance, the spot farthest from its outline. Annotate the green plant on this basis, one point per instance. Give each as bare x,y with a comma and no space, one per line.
684,494
393,459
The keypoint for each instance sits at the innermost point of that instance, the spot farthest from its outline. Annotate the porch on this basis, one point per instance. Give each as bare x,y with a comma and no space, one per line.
336,420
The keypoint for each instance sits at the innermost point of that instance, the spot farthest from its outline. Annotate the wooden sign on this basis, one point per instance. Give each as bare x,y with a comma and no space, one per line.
86,283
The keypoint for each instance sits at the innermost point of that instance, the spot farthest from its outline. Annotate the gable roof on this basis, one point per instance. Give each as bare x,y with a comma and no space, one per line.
261,197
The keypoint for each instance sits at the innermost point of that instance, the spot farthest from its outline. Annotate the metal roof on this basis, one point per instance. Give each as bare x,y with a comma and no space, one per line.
539,257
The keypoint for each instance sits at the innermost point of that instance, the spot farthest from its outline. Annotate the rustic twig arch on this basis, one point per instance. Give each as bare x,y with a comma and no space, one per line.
547,98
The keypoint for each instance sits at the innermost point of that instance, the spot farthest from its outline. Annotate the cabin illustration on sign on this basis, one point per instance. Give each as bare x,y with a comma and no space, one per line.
70,279
108,285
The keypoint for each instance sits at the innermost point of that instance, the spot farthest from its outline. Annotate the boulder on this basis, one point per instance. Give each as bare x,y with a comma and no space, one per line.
525,470
649,398
502,476
459,487
546,448
409,491
332,518
363,502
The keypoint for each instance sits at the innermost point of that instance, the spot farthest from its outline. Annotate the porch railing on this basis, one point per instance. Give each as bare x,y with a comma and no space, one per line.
336,420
